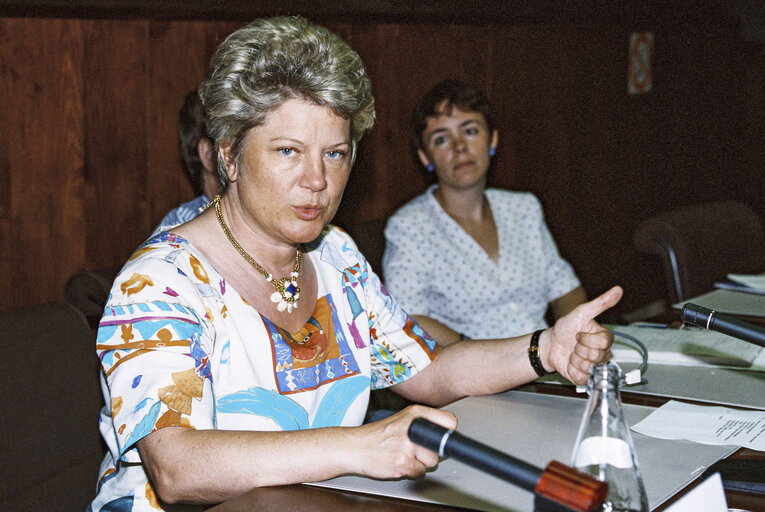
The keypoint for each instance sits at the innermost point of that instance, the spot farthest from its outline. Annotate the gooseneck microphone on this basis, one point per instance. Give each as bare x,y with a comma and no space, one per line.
712,320
557,488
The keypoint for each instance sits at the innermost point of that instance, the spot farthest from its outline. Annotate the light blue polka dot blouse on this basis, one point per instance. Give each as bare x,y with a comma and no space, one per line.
434,268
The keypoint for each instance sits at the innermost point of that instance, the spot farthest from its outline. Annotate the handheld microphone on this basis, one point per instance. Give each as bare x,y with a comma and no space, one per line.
712,320
558,488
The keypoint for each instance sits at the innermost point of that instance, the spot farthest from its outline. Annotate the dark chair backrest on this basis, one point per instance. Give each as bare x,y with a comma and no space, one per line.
701,244
88,290
49,436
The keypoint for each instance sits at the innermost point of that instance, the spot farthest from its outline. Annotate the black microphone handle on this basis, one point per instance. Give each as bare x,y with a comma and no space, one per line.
448,443
709,319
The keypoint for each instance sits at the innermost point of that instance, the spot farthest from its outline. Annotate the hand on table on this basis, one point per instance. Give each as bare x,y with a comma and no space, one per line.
385,450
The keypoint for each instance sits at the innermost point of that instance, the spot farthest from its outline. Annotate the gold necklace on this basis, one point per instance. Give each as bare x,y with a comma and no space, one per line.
287,292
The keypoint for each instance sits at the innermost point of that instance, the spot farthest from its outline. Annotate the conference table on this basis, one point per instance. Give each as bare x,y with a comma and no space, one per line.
348,494
307,498
342,497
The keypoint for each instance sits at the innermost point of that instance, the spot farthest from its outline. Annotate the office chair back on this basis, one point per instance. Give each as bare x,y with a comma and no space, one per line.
701,244
49,436
88,290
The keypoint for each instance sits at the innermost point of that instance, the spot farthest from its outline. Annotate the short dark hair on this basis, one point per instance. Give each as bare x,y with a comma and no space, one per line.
456,94
191,129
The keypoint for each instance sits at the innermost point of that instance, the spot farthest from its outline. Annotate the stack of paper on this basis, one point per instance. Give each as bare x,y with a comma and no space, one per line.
744,283
687,346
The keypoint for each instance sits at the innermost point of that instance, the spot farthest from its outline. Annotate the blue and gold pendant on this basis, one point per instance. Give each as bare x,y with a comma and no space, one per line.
287,292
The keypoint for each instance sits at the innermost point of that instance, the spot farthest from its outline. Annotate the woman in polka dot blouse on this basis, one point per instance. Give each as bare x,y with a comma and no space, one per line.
464,260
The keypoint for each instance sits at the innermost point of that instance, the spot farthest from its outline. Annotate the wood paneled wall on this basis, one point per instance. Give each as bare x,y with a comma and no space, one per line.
90,155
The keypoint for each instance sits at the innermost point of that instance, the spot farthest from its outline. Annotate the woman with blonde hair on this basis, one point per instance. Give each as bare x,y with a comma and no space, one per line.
239,349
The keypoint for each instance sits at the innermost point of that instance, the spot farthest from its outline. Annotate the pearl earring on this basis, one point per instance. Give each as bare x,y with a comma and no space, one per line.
430,168
492,151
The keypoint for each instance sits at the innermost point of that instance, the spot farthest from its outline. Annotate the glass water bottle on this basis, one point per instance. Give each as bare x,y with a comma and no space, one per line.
604,447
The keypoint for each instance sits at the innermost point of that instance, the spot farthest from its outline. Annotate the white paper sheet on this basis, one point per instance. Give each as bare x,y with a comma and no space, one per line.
756,282
688,347
738,287
708,496
706,425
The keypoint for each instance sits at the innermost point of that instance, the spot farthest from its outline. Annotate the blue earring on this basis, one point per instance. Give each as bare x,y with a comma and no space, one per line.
430,167
492,151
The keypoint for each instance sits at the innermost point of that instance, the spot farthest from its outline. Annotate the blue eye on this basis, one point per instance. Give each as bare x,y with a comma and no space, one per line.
471,131
287,151
440,140
336,154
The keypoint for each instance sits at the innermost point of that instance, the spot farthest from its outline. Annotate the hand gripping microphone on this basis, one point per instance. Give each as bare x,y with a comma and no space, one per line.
558,488
712,320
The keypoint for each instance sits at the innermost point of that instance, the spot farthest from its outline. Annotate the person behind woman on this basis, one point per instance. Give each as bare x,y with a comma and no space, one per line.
199,162
466,261
238,350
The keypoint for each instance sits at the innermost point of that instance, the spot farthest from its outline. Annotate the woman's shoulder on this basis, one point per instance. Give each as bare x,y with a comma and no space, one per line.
330,235
165,258
522,201
160,247
336,246
414,210
512,195
163,280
